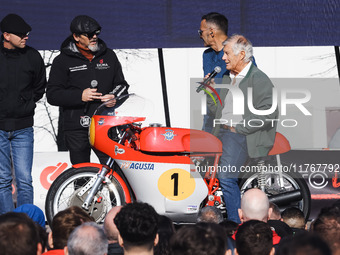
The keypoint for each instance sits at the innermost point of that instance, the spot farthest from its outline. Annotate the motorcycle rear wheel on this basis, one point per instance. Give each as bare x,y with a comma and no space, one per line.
63,194
292,182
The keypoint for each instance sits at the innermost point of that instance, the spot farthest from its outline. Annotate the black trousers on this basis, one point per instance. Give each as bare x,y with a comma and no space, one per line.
77,142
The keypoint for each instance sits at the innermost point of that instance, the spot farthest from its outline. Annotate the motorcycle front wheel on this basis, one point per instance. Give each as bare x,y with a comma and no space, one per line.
293,192
64,192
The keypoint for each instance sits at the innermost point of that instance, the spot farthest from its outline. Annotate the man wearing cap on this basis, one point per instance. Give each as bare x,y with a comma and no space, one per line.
83,76
22,84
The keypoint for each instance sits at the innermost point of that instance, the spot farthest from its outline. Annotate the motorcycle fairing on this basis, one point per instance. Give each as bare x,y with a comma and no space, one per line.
169,188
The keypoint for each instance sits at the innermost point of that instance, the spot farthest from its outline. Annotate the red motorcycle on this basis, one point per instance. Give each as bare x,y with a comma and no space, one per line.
173,169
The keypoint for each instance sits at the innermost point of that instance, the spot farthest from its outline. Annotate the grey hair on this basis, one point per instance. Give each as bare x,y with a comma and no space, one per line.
210,214
240,44
87,239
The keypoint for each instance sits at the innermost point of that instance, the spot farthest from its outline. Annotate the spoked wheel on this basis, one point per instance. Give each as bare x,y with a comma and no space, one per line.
292,192
67,189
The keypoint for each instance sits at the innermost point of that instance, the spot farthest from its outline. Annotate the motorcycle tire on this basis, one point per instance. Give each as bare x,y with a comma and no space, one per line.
63,194
292,181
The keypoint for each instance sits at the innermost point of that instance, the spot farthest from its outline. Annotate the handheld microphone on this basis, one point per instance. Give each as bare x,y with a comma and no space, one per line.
93,85
217,70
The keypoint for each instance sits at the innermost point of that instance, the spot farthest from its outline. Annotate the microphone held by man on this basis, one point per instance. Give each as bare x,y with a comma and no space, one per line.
90,94
216,70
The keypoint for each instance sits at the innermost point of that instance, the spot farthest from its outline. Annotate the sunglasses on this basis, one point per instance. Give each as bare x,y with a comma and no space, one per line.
21,35
200,32
90,35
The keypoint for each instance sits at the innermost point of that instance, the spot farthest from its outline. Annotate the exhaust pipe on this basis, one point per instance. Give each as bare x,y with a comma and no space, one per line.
286,197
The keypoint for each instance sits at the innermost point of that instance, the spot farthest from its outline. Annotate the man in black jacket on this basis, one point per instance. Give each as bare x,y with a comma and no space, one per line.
83,76
22,84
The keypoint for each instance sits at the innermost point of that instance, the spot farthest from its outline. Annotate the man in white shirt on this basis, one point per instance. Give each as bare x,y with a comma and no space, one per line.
248,133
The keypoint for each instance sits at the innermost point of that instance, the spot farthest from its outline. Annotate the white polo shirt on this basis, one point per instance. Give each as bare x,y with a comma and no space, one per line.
227,112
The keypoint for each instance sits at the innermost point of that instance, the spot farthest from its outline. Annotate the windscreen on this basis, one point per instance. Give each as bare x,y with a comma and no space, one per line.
129,105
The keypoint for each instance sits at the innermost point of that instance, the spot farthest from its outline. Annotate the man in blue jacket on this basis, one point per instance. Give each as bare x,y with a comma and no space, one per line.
22,84
213,32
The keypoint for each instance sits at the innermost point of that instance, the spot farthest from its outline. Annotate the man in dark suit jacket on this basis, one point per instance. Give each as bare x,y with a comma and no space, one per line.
251,131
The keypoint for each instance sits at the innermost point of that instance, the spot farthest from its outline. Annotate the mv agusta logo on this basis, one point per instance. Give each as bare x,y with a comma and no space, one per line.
119,150
138,166
101,121
102,65
169,135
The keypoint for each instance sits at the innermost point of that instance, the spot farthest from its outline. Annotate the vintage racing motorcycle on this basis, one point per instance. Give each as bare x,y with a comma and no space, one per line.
173,169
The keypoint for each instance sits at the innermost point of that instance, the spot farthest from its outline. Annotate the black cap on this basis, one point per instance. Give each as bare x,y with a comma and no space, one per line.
13,23
84,24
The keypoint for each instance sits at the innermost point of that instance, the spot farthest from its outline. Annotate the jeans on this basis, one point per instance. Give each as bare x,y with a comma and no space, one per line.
16,149
234,155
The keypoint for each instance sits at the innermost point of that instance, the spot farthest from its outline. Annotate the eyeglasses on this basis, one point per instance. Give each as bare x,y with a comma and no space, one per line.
21,35
200,32
90,35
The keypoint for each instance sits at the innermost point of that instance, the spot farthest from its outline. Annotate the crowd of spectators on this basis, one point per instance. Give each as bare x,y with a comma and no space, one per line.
136,228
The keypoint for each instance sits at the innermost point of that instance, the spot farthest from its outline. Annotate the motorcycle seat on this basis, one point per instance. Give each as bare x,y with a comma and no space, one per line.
281,145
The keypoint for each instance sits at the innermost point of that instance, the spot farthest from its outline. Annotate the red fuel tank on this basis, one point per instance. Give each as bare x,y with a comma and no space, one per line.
164,139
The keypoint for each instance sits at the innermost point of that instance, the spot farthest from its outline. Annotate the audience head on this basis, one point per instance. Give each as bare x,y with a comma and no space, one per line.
34,212
199,239
294,218
18,235
281,228
166,230
254,238
276,213
110,227
254,206
229,226
137,224
327,225
305,243
63,223
87,239
43,237
210,214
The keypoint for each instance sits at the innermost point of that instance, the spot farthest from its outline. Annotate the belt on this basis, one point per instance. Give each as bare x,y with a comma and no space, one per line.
226,127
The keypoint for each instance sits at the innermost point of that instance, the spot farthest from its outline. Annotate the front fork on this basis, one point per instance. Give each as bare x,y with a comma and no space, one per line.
96,186
101,175
262,173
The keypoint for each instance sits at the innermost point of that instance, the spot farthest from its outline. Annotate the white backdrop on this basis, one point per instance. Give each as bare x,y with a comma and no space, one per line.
141,69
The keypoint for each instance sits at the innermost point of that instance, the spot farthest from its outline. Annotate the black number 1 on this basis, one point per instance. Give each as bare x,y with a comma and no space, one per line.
175,176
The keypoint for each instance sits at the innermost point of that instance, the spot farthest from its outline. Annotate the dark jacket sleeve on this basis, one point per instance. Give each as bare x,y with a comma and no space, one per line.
39,84
214,107
58,92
